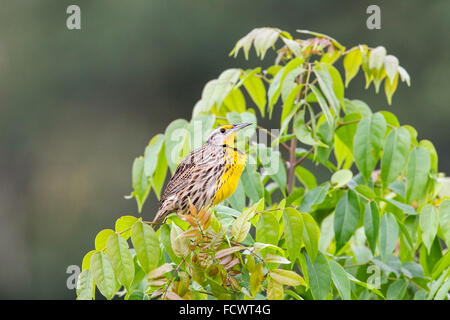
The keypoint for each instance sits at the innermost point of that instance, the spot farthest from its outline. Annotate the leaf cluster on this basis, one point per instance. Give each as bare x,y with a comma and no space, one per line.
378,228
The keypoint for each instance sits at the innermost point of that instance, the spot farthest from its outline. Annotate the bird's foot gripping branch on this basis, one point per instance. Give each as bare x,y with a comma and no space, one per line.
378,228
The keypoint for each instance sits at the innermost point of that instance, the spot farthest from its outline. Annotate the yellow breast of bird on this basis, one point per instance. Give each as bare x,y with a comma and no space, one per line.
234,165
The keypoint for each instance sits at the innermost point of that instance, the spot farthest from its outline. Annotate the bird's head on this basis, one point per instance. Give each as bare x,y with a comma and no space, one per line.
226,134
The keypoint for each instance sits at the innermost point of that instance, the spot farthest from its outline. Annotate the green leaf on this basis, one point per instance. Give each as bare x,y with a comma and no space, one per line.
429,260
216,90
326,135
121,259
151,154
294,46
389,232
412,270
441,265
346,218
86,263
361,253
343,154
274,290
275,86
420,295
256,278
251,182
404,75
395,154
397,290
241,225
274,90
237,199
372,224
175,137
367,143
139,281
407,209
103,274
390,87
235,101
352,62
273,258
391,120
146,244
141,183
245,43
159,176
85,285
341,178
376,58
429,222
326,233
289,87
338,86
311,234
323,105
358,107
347,133
391,67
427,144
444,220
273,165
102,238
265,38
287,277
319,275
257,91
331,85
199,129
123,225
443,291
365,191
267,228
165,239
302,131
180,244
314,197
417,174
365,285
435,285
286,117
306,177
340,280
293,232
136,295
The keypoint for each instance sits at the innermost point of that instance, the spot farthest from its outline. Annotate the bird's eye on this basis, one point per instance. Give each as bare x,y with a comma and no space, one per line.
222,130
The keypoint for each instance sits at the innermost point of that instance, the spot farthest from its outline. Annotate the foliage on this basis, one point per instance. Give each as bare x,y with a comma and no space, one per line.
367,233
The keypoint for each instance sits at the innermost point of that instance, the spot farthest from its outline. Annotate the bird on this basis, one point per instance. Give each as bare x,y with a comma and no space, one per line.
206,176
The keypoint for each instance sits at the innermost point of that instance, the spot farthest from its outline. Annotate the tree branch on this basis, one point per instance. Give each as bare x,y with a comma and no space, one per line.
300,160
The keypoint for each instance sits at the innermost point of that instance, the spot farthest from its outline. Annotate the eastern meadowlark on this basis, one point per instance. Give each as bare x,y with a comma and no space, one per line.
206,176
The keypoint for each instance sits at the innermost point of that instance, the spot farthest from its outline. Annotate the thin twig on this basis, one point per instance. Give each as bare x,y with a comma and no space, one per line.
341,124
292,156
171,280
300,160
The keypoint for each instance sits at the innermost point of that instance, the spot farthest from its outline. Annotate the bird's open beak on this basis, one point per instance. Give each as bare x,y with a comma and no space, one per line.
239,126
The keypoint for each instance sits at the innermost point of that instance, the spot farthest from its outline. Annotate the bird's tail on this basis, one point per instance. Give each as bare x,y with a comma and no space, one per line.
159,217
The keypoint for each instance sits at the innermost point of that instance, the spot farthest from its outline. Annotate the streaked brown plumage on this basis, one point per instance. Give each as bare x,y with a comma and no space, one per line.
206,176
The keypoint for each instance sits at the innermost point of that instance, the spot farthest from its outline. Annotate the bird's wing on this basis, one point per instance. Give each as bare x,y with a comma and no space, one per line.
181,176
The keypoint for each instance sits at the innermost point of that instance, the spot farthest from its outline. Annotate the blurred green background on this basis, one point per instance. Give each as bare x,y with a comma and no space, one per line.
76,107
